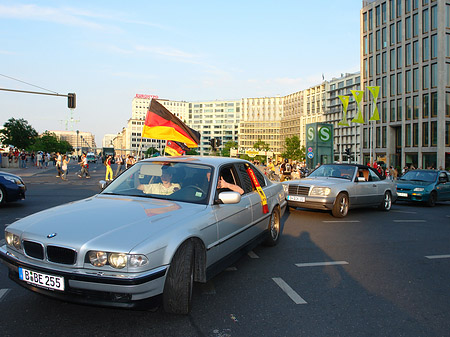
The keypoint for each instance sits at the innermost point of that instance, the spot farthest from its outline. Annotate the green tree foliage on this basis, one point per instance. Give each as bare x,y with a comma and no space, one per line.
151,152
19,133
227,147
192,152
261,145
48,142
293,150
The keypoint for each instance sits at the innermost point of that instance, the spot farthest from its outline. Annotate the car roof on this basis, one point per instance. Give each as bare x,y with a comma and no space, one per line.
345,164
209,160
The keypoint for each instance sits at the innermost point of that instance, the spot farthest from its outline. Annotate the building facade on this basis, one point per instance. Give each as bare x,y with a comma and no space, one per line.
78,139
405,49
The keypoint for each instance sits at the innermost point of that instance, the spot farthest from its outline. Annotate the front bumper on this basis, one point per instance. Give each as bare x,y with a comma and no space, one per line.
323,203
86,287
15,193
413,196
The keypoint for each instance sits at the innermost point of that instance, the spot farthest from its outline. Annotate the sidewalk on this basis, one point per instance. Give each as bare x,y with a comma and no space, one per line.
25,172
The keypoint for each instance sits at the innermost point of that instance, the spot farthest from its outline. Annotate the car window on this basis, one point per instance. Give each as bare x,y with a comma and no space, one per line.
443,177
230,175
246,181
373,176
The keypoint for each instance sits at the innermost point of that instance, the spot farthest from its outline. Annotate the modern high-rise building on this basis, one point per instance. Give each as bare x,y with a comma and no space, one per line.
345,137
79,140
405,49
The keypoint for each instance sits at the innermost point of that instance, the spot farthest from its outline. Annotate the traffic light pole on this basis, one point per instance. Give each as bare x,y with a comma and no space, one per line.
71,96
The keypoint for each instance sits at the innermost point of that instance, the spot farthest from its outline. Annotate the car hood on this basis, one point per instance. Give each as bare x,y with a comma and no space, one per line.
411,183
9,175
319,181
105,222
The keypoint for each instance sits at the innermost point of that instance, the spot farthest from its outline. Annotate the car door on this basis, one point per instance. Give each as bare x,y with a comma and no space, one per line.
443,186
366,192
233,220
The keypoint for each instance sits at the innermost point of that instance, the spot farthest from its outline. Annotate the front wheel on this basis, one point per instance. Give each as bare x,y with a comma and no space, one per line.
177,296
386,204
274,229
432,199
341,205
2,196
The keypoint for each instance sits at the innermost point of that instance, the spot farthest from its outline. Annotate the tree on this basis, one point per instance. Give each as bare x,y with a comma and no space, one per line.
192,152
48,142
227,147
261,145
18,133
151,152
293,150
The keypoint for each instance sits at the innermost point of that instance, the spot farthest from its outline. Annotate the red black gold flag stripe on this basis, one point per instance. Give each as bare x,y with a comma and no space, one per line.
160,123
175,148
260,191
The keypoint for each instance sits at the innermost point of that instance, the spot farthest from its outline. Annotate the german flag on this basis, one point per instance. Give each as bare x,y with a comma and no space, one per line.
175,148
160,123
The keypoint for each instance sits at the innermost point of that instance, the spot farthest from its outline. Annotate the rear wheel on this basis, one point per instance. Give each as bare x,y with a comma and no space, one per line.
340,207
177,296
386,204
432,199
274,229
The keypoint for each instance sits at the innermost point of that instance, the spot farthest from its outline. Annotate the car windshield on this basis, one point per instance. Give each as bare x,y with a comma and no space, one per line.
420,176
164,180
334,171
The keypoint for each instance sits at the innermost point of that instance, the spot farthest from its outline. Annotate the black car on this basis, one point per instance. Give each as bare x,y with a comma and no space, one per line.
12,188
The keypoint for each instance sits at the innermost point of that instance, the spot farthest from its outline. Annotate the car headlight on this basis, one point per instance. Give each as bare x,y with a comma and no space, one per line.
320,191
13,240
286,188
138,260
419,189
14,180
98,259
117,260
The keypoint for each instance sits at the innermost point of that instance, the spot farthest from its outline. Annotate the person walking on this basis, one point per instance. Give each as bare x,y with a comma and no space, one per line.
119,161
39,159
109,171
84,167
65,169
58,165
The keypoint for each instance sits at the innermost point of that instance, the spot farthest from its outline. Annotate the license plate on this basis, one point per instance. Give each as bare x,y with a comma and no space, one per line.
296,198
41,280
401,194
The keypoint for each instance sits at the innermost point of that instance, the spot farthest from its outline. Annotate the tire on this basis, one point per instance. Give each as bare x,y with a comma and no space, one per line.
386,204
432,199
341,205
2,196
177,296
274,229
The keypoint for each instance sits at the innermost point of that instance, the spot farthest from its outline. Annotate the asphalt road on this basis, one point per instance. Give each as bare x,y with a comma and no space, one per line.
369,274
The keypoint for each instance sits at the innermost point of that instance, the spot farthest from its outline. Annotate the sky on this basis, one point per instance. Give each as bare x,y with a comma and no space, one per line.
108,51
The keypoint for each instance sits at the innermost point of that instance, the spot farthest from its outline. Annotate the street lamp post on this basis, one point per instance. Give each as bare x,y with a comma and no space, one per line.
78,132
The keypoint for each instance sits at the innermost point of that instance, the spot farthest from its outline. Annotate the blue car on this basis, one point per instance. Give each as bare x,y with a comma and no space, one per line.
12,188
428,186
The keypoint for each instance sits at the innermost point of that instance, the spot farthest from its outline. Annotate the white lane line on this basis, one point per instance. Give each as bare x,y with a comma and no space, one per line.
315,264
406,212
289,291
3,293
344,221
438,257
410,220
253,255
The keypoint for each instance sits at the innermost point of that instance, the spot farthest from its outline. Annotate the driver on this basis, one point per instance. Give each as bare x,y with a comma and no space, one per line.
165,187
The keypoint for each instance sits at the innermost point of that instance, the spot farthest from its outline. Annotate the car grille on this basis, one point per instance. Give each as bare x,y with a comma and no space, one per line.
34,249
299,190
55,254
403,189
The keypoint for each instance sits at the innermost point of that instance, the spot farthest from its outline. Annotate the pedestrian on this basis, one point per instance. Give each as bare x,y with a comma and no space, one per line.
23,160
84,167
109,171
58,165
119,161
39,160
64,167
129,162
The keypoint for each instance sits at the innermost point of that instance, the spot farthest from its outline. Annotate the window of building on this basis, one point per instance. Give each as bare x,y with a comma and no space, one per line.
391,10
416,79
399,31
383,37
392,59
425,21
434,75
399,110
407,6
383,12
392,85
370,66
415,4
408,54
378,64
384,137
392,34
370,43
425,134
365,138
399,57
365,48
416,107
425,106
377,16
399,84
383,112
408,108
392,111
434,134
408,28
434,104
416,52
415,134
425,77
447,133
370,20
447,15
383,87
434,45
378,137
383,62
399,8
433,17
408,135
447,104
425,49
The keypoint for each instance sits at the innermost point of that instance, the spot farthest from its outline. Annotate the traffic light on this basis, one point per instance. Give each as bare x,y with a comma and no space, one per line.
218,142
348,152
212,142
72,100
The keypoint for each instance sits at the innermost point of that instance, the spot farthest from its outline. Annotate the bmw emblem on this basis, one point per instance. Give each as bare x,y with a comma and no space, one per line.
51,235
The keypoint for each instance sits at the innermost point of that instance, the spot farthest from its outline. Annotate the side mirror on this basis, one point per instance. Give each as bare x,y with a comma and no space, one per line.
229,197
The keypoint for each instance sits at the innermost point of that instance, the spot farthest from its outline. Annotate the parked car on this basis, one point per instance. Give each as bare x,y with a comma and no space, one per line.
12,188
147,236
91,158
340,187
427,186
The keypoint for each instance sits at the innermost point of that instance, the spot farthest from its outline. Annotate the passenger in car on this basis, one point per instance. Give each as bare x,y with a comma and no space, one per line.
165,187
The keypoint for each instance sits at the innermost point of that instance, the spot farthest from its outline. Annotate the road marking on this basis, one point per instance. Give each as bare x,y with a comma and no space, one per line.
3,293
315,264
438,257
344,221
406,212
289,291
253,255
410,220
